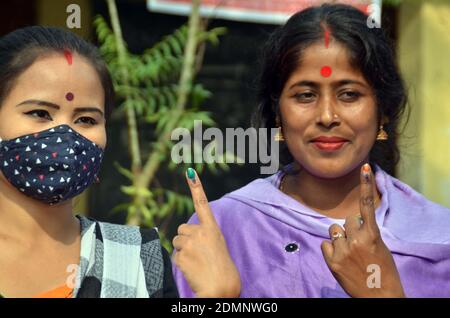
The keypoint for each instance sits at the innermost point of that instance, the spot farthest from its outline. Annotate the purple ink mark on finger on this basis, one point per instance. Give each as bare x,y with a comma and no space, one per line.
68,56
69,96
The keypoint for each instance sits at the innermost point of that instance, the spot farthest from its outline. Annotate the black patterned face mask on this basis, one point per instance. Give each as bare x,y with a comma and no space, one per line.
51,166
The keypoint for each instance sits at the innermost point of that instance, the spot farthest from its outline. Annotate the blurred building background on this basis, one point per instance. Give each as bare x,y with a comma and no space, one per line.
420,29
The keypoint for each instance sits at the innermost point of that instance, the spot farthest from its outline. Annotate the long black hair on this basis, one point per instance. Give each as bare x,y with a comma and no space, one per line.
370,52
20,48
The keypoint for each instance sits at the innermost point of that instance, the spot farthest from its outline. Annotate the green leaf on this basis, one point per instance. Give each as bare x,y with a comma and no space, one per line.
198,95
147,214
120,208
133,191
125,172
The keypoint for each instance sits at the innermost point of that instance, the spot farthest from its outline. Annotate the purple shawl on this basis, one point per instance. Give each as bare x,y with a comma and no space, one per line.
258,221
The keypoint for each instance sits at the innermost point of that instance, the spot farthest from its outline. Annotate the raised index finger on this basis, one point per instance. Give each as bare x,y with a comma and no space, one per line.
204,213
367,201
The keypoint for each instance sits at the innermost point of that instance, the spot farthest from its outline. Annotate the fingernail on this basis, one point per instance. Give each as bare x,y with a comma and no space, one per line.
366,172
191,174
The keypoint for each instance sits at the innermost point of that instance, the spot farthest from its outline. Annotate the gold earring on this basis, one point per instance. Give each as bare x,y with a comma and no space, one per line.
382,134
279,135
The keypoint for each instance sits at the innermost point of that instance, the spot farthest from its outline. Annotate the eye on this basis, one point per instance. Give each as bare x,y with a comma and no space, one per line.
39,113
306,97
349,96
86,120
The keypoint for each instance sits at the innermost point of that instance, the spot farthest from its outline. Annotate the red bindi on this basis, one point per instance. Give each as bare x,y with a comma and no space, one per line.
69,96
325,71
68,56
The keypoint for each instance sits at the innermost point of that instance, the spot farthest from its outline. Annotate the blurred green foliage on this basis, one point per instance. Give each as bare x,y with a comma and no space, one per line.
151,90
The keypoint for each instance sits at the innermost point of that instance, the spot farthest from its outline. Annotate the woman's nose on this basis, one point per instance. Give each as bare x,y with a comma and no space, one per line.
64,121
327,115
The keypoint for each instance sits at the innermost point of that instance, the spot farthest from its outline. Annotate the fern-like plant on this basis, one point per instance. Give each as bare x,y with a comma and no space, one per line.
156,89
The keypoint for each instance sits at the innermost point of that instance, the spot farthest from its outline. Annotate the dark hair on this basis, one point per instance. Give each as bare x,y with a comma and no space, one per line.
370,52
20,48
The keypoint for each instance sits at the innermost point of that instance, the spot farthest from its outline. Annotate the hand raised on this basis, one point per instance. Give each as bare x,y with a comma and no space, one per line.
201,251
358,248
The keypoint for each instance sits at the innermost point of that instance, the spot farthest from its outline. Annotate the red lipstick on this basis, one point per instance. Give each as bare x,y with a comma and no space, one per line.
329,144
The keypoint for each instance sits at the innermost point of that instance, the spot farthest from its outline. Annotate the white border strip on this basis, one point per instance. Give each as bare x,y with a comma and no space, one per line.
219,13
230,14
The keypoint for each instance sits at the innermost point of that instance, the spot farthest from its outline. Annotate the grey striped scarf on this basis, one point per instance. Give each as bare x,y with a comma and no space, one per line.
118,261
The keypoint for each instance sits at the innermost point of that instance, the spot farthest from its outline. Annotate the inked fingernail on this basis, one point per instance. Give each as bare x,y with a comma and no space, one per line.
366,172
191,174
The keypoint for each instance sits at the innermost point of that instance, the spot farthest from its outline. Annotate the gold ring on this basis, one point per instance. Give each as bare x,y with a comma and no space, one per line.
336,235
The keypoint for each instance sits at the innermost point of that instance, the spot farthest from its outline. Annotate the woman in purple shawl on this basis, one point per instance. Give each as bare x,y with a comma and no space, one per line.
334,222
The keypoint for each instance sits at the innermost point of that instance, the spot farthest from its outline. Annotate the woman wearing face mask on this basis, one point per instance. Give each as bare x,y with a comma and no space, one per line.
333,222
55,96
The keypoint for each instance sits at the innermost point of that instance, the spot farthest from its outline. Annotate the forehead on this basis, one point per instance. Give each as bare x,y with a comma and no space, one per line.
52,75
56,68
318,55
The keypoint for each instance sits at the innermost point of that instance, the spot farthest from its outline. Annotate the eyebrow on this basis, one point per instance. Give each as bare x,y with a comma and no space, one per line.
315,84
55,106
88,110
38,102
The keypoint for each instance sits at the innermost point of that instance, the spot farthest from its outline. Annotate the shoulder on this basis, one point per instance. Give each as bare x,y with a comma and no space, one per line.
118,233
409,208
137,244
403,195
